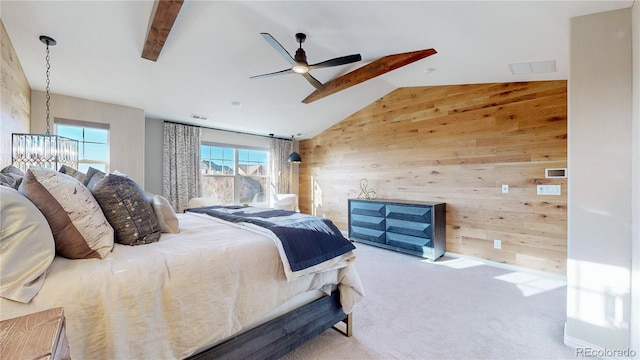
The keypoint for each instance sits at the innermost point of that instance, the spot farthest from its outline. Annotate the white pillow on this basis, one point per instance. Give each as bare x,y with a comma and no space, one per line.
26,247
202,201
79,227
165,214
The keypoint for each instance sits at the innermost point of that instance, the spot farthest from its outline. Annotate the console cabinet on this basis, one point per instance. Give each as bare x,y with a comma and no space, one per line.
412,227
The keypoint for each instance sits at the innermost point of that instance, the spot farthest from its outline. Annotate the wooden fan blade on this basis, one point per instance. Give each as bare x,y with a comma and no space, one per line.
337,61
313,81
279,48
163,16
367,72
281,72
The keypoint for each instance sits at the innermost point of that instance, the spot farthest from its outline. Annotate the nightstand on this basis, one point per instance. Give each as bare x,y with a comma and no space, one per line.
39,335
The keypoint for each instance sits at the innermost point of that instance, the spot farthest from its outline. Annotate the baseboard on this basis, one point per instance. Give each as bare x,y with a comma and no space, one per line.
587,350
507,266
575,343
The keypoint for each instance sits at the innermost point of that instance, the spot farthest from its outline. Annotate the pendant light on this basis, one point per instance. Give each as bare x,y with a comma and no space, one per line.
44,150
294,157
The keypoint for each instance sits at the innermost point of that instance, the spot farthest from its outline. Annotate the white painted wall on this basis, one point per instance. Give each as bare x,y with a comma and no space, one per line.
126,133
600,147
635,138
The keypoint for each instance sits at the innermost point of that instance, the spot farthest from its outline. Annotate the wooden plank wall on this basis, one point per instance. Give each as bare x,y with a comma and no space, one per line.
15,104
455,144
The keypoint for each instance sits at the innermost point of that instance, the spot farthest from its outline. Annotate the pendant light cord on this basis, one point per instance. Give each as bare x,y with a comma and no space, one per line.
47,89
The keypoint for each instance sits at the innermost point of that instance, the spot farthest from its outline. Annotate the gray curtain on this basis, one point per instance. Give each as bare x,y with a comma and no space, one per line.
281,169
181,164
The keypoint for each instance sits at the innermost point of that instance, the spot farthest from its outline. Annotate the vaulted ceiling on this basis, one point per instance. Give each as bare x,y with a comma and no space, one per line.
213,47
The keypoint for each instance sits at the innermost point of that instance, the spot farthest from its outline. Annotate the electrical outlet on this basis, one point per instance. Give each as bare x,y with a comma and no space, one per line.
505,188
497,244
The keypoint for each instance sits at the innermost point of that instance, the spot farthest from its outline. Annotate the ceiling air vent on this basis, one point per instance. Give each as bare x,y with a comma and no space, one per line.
198,117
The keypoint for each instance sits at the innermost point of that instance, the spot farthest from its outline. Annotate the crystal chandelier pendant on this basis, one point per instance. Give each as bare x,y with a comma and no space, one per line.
44,150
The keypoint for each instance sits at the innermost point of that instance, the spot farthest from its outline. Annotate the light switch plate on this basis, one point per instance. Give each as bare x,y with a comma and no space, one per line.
549,190
505,188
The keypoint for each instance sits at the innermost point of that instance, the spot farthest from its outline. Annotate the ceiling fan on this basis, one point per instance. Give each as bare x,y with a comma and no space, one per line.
299,63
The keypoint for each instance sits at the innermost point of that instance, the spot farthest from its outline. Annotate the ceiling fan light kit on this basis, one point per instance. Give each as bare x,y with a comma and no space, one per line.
299,64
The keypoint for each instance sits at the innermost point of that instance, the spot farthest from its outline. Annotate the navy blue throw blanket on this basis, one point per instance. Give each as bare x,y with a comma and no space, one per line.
307,240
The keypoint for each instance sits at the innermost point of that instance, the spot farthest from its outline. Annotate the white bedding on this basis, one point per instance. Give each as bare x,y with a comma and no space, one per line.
170,298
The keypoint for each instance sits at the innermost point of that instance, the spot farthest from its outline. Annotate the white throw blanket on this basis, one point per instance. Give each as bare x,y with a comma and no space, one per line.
168,299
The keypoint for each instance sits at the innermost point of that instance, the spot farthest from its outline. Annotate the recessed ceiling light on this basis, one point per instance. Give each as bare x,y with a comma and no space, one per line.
235,104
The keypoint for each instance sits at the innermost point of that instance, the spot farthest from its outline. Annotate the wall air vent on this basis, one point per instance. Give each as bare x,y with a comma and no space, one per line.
198,117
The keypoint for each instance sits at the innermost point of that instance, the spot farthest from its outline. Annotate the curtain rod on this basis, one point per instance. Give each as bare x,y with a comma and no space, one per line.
270,136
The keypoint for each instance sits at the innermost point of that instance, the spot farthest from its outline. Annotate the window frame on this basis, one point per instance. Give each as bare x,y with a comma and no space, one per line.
91,125
237,178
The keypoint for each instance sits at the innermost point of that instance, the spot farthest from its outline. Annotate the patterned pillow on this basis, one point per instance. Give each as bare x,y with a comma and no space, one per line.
128,210
79,227
93,177
15,173
73,173
8,181
26,244
165,214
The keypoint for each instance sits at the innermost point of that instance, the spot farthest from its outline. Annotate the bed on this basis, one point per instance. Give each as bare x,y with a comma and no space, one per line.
213,289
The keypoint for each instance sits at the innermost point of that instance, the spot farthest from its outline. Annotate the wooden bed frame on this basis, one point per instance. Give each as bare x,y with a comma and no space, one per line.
279,336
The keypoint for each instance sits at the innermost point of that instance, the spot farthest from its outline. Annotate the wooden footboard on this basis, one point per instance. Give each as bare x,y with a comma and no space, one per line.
282,334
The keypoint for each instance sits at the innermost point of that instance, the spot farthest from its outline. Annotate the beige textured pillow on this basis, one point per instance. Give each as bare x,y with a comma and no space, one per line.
26,247
79,227
165,214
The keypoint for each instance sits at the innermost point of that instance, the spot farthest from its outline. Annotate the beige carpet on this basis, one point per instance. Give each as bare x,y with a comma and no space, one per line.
451,309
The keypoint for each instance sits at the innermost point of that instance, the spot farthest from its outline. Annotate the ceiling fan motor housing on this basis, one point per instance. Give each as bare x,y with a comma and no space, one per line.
301,57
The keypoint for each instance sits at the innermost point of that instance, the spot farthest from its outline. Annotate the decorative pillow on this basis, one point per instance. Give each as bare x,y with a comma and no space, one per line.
128,210
93,177
165,214
203,201
7,180
79,227
73,173
26,246
15,173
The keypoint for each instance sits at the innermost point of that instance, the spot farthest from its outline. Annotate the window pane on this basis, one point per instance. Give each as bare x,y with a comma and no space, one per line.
93,145
97,152
252,189
216,160
250,170
72,132
95,135
220,187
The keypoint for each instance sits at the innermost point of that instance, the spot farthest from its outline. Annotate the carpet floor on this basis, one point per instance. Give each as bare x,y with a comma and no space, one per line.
451,309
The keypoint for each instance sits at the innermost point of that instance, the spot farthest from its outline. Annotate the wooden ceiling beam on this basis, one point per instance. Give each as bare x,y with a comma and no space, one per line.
163,16
369,71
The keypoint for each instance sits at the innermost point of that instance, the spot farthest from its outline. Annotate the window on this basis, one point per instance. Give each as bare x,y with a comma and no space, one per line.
93,142
234,175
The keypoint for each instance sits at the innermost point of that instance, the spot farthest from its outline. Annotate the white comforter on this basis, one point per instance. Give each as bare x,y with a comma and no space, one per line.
168,299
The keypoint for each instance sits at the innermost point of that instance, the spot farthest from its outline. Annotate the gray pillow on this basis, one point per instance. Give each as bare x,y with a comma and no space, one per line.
15,173
128,210
73,173
8,181
93,177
